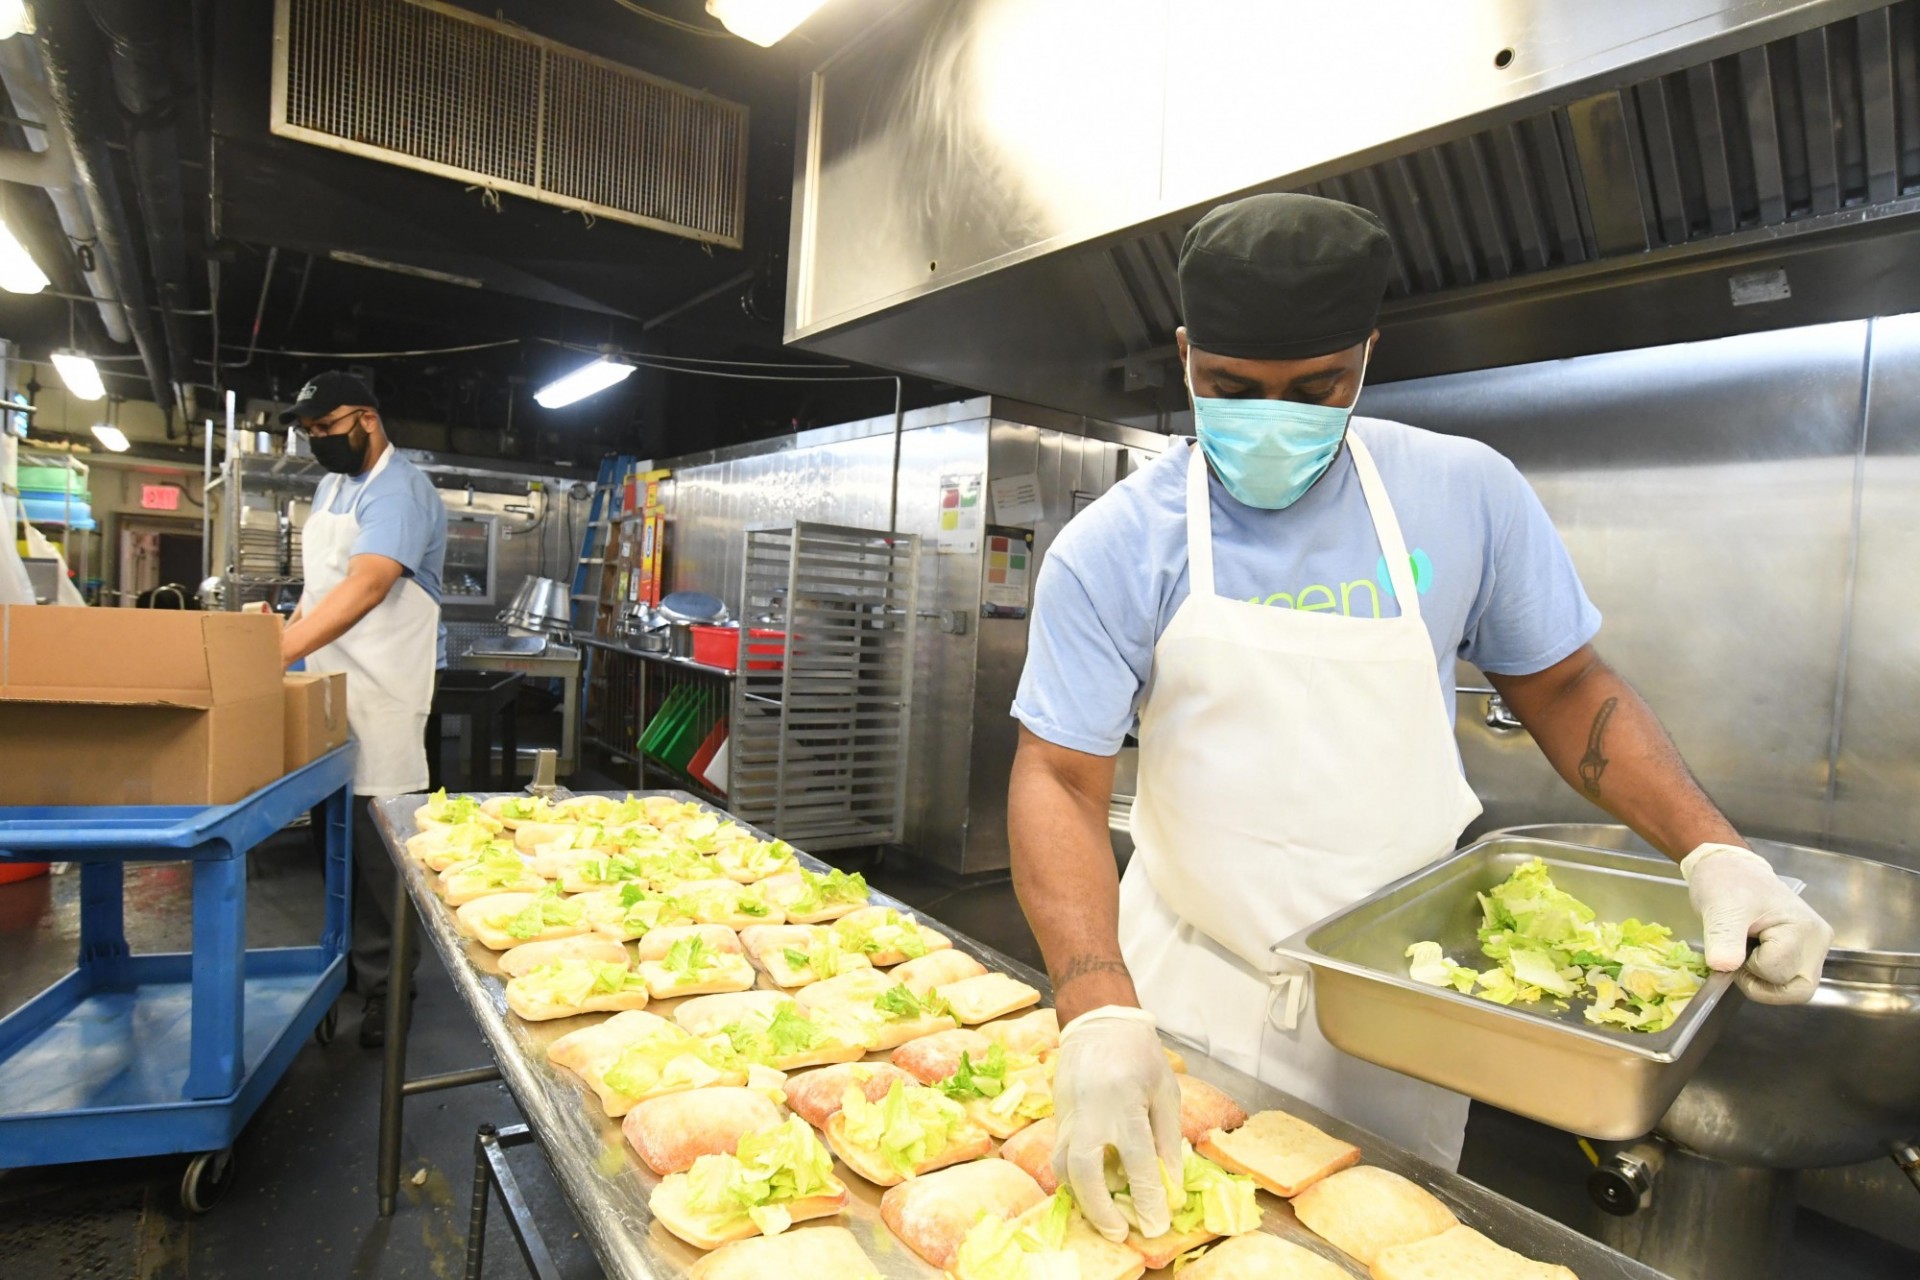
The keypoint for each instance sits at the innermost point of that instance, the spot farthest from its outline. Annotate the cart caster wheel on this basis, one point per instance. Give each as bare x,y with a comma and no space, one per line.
328,1024
207,1178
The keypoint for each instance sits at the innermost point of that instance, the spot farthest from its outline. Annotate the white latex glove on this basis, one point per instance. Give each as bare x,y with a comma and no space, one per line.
1112,1087
1739,897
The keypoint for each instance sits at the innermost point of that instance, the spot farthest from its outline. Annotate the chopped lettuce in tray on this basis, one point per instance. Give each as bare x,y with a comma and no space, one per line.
1546,943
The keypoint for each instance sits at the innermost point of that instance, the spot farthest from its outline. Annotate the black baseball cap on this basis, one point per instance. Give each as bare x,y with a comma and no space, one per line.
1283,277
325,393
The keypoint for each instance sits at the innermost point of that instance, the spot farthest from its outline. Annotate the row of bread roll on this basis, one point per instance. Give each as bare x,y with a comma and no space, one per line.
588,842
1386,1222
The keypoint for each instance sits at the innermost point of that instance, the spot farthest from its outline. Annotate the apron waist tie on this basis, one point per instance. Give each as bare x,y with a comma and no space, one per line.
1287,995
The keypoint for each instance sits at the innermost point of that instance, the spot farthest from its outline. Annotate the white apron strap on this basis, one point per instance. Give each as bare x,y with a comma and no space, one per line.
1386,527
1199,525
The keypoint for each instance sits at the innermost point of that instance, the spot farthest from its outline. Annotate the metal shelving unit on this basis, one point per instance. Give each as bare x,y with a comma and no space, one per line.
625,689
818,753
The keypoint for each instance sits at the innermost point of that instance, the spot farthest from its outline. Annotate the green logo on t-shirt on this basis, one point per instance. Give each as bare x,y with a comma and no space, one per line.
1358,598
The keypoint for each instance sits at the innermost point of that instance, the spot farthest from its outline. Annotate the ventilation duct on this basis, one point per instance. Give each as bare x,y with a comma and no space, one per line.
430,87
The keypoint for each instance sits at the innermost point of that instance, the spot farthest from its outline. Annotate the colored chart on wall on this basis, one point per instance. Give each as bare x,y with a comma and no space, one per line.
957,530
1007,586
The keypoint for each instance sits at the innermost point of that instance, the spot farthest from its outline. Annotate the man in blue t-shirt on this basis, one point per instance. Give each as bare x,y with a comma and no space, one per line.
1276,609
371,556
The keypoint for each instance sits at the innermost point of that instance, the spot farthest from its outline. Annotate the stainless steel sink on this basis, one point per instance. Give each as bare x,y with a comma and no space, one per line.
1833,1082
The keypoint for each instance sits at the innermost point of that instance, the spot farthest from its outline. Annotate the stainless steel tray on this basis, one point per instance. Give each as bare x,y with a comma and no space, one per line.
1549,1065
608,1188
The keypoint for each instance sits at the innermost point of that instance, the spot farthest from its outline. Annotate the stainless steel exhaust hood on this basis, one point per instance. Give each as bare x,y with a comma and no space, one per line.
992,192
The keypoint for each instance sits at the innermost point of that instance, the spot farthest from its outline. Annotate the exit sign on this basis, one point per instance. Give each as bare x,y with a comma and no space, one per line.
159,497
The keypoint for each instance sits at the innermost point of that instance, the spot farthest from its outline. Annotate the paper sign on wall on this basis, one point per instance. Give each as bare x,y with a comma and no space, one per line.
1016,500
1006,587
957,530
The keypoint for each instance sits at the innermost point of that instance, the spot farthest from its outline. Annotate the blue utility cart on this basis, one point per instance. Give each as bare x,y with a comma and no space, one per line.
142,1055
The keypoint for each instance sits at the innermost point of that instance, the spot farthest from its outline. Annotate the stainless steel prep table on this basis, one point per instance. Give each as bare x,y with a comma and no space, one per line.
608,1187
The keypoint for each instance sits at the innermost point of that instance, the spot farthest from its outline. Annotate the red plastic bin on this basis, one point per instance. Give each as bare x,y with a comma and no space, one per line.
720,647
15,871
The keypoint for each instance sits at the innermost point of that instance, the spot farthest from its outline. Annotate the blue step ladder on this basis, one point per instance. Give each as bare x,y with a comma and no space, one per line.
596,540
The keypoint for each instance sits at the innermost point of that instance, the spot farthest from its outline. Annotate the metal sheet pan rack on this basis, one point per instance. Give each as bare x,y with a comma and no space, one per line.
819,742
609,1195
141,1055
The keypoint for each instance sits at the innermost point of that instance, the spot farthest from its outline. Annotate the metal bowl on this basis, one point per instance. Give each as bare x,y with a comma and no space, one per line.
542,606
1833,1082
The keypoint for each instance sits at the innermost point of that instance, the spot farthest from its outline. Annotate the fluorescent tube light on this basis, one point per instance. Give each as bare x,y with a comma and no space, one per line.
582,382
81,375
19,273
112,437
765,22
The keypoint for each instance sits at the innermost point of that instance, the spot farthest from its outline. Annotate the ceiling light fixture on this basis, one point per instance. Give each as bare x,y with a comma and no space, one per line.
765,22
81,375
582,382
19,273
111,437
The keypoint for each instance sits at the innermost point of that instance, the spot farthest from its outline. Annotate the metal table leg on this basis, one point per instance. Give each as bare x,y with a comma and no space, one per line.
479,753
393,1074
490,1169
395,1088
510,746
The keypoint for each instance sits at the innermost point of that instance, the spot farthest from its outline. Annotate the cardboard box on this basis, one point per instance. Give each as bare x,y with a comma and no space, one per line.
316,715
138,706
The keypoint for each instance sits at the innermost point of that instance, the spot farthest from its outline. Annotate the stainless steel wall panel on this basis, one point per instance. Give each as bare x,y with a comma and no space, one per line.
961,735
835,480
1876,803
1705,493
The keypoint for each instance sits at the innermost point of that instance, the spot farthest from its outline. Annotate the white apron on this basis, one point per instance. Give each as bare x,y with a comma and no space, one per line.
388,655
1290,764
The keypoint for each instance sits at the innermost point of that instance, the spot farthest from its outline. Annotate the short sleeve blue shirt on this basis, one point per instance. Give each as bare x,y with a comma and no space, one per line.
401,517
1498,588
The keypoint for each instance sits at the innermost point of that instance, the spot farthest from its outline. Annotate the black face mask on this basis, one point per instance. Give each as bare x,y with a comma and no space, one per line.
345,453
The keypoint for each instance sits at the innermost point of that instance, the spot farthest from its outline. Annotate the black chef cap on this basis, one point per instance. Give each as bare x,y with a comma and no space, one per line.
1283,277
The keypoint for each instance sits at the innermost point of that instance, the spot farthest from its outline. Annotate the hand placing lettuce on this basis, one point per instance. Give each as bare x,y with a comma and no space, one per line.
1547,943
1206,1198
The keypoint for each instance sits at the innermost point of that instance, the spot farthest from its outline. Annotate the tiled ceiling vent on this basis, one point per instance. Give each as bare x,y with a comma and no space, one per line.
431,87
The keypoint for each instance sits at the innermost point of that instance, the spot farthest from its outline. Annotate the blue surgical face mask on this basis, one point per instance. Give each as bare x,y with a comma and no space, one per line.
1268,453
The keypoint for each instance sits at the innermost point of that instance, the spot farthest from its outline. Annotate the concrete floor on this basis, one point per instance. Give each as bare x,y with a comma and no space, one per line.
302,1200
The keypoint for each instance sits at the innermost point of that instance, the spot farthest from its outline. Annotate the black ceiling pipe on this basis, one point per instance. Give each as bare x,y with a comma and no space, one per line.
139,41
69,46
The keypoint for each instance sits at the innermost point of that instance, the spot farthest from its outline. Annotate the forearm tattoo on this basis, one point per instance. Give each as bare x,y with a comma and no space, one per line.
1080,966
1595,762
